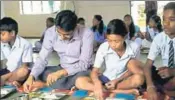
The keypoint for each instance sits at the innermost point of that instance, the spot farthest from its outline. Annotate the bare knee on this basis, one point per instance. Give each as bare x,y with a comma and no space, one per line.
79,83
135,67
23,71
138,80
140,72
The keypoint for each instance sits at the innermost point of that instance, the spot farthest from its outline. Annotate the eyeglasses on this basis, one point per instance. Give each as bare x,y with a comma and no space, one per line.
63,34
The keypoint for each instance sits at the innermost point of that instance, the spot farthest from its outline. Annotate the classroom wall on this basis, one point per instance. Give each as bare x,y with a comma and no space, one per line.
33,25
2,9
29,25
108,9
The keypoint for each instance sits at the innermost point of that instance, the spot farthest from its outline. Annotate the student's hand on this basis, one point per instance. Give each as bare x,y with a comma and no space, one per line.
38,85
98,91
16,84
152,93
28,84
111,85
165,72
53,77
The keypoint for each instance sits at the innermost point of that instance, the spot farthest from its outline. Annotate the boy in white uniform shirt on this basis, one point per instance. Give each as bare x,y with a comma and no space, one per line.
119,57
164,44
16,53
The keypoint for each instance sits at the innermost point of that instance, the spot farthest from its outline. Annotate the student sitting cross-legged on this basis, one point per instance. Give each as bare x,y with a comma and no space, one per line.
162,78
16,53
123,73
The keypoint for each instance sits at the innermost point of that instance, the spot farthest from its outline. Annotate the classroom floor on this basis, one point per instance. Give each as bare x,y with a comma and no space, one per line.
53,59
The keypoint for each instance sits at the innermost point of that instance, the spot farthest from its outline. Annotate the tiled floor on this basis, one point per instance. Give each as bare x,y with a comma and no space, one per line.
54,59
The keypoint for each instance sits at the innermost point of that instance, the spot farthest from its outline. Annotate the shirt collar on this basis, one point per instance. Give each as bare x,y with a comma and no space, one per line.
17,42
76,34
4,44
168,39
15,45
110,50
128,51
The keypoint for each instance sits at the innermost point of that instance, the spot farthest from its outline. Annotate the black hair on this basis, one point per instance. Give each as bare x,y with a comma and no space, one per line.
131,26
117,27
66,20
157,20
8,24
101,25
80,19
170,5
51,19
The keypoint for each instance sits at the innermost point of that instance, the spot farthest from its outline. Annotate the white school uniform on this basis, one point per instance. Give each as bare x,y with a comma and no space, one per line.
160,45
114,65
21,52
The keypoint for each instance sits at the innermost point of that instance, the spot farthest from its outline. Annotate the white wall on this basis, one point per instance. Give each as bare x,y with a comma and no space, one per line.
2,9
29,25
108,9
33,25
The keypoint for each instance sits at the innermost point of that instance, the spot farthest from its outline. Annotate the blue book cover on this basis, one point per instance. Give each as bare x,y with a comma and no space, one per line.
46,89
8,86
80,93
125,96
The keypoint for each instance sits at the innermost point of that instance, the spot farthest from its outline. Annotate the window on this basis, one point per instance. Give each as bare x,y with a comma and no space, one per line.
137,12
39,7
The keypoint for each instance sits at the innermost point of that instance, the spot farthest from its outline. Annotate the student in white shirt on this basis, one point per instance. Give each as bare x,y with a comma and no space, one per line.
119,58
16,53
134,33
164,44
134,30
154,27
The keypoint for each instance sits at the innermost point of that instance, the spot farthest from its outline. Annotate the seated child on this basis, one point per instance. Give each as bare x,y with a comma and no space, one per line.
119,57
162,78
16,53
154,27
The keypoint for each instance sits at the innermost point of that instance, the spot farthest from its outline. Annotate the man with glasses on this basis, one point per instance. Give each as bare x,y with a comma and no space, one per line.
74,46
